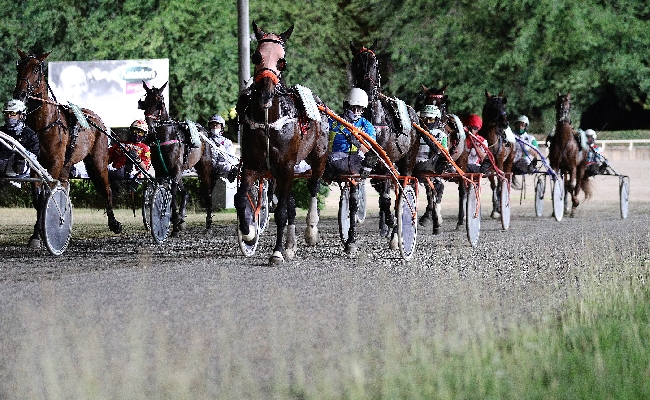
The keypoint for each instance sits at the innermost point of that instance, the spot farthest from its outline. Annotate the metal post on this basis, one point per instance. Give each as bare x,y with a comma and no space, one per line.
244,47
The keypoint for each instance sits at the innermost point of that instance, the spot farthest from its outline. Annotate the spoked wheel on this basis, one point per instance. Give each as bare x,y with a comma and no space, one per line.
56,220
540,188
407,222
161,212
473,215
361,201
146,205
558,198
248,247
344,214
265,214
505,203
624,191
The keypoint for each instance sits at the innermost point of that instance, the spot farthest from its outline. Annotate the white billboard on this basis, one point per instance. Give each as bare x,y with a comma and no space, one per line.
110,88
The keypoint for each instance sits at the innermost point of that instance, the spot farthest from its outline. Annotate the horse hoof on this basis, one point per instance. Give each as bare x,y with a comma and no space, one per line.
351,248
494,215
437,230
115,226
276,259
290,253
394,242
34,243
176,234
311,235
250,236
460,226
182,226
424,221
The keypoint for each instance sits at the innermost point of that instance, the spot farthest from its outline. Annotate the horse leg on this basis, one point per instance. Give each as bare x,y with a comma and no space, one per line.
103,186
569,188
496,199
37,202
311,233
207,187
462,203
425,219
283,191
386,220
290,244
244,210
174,217
351,243
439,188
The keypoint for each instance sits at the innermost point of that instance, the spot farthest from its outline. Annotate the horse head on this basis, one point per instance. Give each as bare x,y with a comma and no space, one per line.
363,70
437,97
563,107
153,105
494,110
31,77
269,63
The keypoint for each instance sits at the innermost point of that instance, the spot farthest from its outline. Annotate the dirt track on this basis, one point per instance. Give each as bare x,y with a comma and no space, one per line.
200,283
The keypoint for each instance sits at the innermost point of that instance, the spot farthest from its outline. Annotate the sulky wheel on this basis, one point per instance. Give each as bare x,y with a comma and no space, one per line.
248,247
558,198
56,220
146,205
540,188
361,201
407,222
624,191
505,203
161,212
473,215
265,214
344,214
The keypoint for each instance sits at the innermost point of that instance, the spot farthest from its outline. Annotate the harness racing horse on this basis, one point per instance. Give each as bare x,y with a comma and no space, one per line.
63,140
392,120
495,130
566,155
170,156
458,152
281,126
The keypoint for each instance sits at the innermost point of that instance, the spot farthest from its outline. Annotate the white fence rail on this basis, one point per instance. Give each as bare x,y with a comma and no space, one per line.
630,143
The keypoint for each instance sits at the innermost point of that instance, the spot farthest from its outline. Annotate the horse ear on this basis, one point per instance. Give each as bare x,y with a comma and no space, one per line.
353,48
144,85
444,89
426,89
21,53
487,94
374,44
559,94
258,32
163,86
43,56
568,96
501,93
286,34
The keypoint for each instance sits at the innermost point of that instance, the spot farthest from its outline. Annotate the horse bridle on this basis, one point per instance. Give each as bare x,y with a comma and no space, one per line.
274,74
565,110
40,76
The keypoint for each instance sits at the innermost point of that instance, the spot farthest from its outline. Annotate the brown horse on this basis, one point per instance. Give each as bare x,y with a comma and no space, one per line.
171,154
63,141
567,156
458,151
277,132
494,130
392,121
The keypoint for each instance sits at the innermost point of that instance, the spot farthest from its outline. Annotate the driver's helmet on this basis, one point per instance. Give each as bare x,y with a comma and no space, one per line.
430,111
591,134
138,130
218,119
473,120
524,119
357,97
14,105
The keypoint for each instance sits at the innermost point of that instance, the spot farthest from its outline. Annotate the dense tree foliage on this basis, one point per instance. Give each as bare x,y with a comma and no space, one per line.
599,50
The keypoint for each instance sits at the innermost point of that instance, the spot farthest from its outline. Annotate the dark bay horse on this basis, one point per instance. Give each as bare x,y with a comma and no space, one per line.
392,121
63,141
495,130
171,154
277,133
458,151
566,155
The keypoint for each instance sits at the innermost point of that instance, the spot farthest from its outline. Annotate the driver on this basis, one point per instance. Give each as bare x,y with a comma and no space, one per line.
223,166
13,164
596,163
139,152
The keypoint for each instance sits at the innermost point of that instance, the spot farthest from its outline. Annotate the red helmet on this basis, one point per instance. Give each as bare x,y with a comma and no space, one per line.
474,120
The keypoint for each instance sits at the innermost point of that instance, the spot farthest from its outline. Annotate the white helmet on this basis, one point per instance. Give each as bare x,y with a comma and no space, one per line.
357,97
590,132
430,111
524,119
14,105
